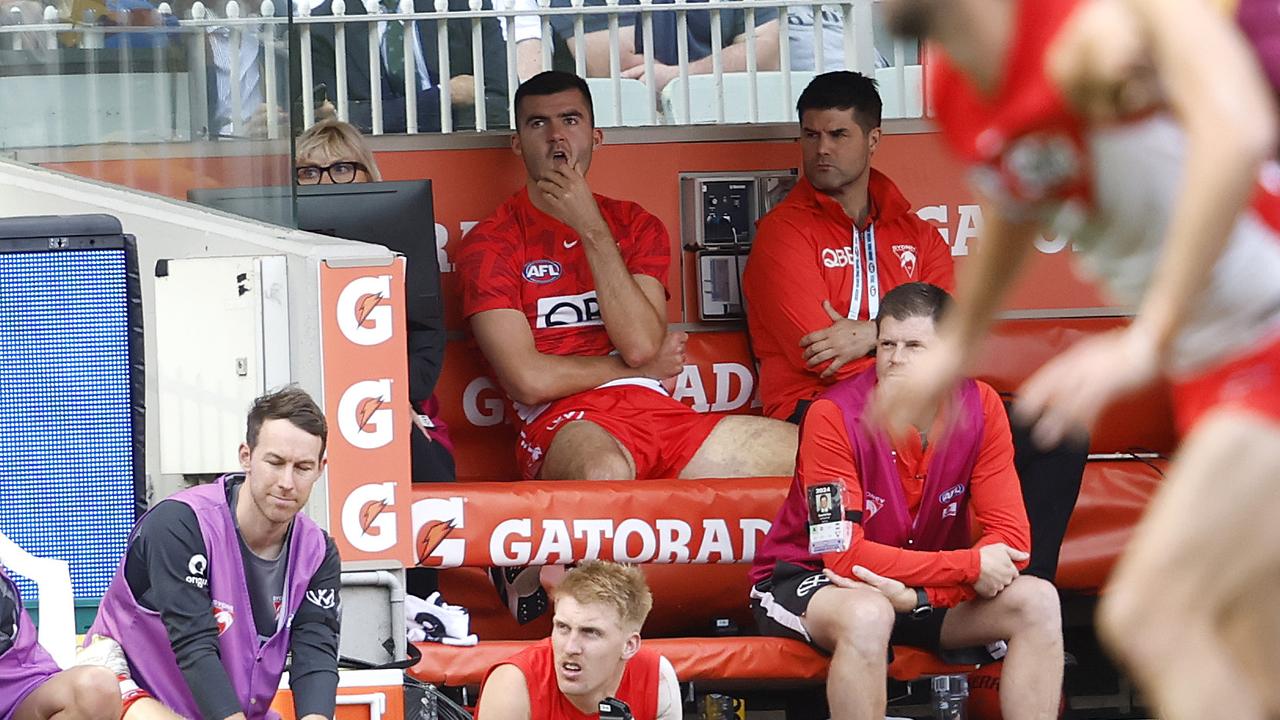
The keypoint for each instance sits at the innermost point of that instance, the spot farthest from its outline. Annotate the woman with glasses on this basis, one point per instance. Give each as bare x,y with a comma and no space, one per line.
334,152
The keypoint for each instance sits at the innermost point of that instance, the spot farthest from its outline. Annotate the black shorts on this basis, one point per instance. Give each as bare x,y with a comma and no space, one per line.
781,600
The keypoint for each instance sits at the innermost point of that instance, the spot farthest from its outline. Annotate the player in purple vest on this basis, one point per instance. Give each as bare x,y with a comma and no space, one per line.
894,513
222,581
32,686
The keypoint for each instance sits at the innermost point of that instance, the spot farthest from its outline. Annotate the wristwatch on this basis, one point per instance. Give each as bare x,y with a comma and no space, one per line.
923,608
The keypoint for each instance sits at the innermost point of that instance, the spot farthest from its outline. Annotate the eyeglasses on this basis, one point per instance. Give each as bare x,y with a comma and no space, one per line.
339,172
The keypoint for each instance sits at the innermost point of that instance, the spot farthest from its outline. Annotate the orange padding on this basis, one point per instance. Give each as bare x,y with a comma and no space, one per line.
706,521
713,659
545,523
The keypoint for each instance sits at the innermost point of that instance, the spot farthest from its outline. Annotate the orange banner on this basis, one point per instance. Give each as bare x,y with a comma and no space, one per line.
366,399
547,523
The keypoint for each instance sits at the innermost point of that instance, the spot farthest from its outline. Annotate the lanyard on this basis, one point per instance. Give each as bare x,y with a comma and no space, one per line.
873,276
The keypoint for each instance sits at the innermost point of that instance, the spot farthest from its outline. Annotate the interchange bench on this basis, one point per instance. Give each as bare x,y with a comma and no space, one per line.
470,526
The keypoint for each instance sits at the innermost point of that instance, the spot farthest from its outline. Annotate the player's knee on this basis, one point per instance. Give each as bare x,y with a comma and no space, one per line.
607,466
94,694
1035,605
864,623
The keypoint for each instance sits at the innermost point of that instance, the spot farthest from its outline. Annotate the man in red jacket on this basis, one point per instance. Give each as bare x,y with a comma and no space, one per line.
823,259
825,256
593,653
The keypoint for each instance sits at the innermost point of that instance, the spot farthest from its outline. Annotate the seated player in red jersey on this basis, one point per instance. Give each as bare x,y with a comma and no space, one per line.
895,516
1093,118
594,653
565,292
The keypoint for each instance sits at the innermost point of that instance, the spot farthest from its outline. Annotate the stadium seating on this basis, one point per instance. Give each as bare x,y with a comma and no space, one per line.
696,538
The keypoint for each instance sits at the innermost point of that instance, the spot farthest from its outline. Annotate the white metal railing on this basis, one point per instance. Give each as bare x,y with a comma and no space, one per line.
755,80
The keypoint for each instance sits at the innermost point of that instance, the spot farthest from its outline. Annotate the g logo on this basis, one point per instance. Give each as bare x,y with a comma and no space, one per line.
363,314
364,414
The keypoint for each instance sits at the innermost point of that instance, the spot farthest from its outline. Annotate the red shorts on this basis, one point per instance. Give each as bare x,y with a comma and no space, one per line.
661,434
1248,382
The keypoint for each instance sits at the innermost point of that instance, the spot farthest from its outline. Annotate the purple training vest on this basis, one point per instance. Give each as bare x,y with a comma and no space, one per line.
26,665
254,671
942,522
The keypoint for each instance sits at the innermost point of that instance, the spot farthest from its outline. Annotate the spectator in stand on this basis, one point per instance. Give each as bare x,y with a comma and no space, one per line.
733,39
902,530
594,653
332,151
425,61
32,686
812,292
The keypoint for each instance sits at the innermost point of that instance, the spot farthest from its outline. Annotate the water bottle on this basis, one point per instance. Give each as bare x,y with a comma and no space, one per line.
949,695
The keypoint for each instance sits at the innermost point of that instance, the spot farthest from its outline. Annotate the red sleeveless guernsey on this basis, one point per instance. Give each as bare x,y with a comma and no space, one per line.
638,688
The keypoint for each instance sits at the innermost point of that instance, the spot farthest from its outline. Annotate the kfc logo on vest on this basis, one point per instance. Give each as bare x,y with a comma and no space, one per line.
569,311
907,258
542,271
224,614
363,315
873,505
365,416
197,567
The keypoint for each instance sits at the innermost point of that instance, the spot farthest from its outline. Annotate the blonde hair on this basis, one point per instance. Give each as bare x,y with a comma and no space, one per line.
621,587
333,140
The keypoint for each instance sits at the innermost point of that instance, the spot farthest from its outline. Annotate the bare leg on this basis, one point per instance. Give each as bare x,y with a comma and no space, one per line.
1207,545
854,624
745,446
79,693
583,450
1027,615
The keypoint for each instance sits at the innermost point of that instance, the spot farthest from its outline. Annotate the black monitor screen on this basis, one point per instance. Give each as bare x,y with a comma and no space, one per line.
398,215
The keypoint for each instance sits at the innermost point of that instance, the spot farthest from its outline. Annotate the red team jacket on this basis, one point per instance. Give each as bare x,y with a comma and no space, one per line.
804,253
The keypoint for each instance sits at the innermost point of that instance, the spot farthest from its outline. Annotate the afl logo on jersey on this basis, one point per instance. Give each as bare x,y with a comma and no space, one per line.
541,271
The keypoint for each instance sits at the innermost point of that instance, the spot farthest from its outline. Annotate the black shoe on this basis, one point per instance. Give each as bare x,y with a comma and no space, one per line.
521,591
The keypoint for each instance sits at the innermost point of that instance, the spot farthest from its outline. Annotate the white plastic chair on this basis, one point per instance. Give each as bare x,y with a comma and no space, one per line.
57,603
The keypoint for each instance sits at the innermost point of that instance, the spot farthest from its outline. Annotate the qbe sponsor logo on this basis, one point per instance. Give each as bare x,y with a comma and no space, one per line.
569,311
369,517
364,311
838,257
365,418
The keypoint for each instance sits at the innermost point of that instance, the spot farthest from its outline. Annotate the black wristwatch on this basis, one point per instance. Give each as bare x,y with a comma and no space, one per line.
923,608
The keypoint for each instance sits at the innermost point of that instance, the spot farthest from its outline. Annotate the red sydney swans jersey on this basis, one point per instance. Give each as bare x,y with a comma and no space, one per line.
638,688
523,259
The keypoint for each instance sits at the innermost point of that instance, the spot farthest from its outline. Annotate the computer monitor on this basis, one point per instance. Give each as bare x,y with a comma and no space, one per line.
398,215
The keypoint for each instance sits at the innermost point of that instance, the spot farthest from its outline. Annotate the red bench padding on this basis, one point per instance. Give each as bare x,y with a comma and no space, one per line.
719,660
